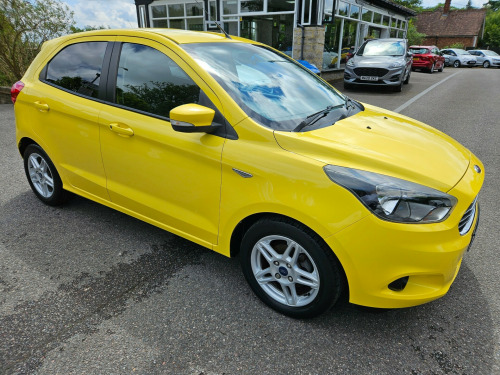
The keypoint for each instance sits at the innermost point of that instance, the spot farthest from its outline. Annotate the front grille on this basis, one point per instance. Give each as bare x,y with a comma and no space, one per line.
374,72
468,218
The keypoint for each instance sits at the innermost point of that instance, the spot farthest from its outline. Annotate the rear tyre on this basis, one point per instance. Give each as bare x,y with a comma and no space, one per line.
431,70
290,268
43,177
441,69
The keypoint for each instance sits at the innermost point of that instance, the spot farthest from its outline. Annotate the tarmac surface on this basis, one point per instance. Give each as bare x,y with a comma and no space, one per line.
88,290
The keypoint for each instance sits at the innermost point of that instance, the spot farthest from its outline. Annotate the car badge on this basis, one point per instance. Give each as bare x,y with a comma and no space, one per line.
477,168
283,271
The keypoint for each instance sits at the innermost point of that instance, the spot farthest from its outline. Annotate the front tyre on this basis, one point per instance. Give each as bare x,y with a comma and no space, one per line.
289,268
43,177
456,64
486,64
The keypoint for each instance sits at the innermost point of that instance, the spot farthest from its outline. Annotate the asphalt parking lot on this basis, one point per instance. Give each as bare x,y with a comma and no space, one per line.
88,290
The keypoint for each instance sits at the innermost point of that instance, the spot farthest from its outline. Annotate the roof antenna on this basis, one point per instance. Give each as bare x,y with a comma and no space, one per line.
214,21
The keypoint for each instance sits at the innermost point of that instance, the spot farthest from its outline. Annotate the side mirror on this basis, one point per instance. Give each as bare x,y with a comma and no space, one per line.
193,118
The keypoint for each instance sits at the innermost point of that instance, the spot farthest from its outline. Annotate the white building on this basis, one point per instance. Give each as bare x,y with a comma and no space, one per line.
315,30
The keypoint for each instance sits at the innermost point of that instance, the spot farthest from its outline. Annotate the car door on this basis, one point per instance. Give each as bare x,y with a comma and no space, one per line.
64,113
169,178
480,57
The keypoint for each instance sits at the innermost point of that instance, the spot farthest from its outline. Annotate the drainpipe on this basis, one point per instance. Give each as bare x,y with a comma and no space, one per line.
302,44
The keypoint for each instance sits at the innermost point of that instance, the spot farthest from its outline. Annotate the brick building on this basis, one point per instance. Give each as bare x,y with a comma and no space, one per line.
319,31
445,27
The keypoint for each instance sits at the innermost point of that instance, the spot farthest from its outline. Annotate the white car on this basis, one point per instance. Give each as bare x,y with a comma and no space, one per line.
486,58
457,57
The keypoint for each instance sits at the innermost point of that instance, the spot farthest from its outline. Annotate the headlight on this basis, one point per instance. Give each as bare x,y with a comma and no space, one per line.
350,63
396,64
394,199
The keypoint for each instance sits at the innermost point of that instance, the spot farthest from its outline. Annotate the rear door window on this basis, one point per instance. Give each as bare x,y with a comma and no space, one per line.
78,68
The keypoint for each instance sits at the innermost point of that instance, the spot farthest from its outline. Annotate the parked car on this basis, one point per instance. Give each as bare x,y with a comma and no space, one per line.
427,58
242,150
379,62
486,58
458,57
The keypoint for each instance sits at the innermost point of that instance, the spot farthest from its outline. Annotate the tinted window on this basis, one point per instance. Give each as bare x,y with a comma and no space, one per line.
78,68
150,81
382,48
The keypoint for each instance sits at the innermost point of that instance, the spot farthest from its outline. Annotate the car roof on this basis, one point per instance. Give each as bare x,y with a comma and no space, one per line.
422,47
175,35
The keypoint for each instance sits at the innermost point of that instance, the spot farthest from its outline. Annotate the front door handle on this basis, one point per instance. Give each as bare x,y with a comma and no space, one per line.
42,107
121,129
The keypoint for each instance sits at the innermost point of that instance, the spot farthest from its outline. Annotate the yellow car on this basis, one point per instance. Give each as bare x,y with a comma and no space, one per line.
238,148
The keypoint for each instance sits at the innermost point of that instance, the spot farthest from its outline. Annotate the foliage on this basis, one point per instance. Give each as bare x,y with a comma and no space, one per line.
24,27
492,30
469,5
76,29
493,5
457,45
413,36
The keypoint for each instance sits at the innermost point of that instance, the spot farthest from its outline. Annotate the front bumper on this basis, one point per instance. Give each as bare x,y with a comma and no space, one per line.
375,253
388,77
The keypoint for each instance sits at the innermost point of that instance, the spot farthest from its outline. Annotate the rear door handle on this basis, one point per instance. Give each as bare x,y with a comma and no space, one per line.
42,107
121,129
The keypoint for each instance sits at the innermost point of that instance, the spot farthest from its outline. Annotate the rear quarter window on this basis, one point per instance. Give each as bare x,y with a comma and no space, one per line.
77,68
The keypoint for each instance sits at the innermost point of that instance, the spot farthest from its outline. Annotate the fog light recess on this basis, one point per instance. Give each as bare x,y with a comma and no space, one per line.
399,284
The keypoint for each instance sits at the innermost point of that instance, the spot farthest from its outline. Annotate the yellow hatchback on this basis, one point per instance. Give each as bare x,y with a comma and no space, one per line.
237,147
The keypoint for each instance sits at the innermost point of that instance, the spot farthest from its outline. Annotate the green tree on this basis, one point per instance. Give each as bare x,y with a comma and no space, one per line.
469,5
411,4
24,27
413,36
494,5
492,30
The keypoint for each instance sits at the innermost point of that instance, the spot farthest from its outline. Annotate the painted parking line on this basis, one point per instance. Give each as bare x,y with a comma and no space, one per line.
416,97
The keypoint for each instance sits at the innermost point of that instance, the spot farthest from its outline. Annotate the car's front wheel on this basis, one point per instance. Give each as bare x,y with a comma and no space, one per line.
486,64
43,177
289,268
456,64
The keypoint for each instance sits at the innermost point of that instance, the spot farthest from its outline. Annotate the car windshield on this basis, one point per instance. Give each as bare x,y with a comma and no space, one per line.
274,90
419,50
382,48
461,52
490,53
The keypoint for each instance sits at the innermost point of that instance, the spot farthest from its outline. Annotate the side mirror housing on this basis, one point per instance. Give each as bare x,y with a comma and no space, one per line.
193,118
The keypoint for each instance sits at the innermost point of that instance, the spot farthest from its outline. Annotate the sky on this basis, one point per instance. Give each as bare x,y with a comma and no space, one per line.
122,13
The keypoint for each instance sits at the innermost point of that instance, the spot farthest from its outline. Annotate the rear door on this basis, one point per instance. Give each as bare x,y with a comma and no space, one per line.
172,179
64,108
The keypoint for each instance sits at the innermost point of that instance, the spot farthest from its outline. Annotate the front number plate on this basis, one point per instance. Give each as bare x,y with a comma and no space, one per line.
369,78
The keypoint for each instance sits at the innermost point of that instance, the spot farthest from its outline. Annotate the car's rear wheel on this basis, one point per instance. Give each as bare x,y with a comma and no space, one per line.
486,64
431,70
43,177
442,68
289,268
456,64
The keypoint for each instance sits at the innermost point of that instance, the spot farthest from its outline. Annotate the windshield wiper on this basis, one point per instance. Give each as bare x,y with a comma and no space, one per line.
311,119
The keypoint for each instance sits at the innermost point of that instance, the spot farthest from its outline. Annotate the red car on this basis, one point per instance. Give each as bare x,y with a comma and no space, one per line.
427,57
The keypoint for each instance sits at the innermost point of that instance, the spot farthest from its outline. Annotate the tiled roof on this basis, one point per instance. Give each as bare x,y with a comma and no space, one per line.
466,22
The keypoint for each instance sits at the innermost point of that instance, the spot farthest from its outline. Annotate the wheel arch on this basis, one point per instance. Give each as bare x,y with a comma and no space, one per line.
24,143
241,228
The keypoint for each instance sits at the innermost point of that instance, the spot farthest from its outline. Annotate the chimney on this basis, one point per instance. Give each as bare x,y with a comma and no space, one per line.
446,9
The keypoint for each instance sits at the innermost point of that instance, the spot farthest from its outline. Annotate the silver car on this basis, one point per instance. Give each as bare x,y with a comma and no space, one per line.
457,57
379,62
486,58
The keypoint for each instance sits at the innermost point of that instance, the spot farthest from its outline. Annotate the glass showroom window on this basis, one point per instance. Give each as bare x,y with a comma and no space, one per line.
188,16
